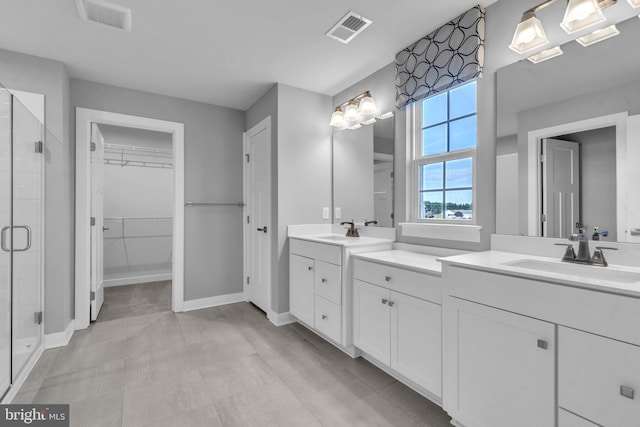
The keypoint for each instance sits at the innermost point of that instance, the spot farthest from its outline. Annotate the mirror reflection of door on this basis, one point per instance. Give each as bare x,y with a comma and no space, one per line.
383,189
560,187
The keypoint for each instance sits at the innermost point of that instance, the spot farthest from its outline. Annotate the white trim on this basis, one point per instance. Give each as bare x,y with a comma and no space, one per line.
59,339
110,283
84,118
24,374
534,137
457,232
281,319
199,304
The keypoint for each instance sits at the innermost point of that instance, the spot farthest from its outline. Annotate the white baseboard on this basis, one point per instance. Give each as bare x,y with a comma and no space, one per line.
22,377
137,280
281,319
198,304
59,339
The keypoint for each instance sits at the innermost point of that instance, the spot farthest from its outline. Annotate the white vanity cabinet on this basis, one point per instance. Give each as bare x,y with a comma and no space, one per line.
319,289
397,321
542,351
500,367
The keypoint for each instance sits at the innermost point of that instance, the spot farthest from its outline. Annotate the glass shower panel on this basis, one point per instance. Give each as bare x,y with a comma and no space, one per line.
5,255
27,235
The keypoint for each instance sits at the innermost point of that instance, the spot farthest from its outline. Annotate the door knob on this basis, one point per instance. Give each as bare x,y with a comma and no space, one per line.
263,229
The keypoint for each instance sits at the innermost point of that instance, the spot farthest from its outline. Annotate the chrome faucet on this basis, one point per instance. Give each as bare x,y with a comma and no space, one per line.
584,254
352,231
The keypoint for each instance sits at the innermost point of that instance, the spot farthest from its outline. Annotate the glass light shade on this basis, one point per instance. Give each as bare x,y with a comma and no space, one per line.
337,118
529,35
545,54
581,14
351,113
634,3
598,36
367,105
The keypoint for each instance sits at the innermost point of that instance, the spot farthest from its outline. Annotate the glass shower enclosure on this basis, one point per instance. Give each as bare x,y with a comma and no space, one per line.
21,238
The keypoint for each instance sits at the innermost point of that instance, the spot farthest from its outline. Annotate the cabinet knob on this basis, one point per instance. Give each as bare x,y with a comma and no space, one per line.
309,268
324,317
387,278
391,303
384,300
324,280
627,392
543,344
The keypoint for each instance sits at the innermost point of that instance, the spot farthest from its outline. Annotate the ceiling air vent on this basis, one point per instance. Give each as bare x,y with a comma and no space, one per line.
105,13
348,27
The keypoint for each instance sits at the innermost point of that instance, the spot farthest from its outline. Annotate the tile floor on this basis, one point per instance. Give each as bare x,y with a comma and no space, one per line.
224,366
135,300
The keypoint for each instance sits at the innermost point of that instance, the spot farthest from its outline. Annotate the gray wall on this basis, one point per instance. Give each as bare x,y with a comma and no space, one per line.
213,173
50,78
302,169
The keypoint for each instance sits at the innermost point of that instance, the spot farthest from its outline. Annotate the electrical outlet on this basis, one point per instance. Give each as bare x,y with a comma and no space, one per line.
338,213
325,213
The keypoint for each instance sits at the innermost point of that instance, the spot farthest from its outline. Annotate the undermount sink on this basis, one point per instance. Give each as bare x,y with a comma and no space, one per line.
586,271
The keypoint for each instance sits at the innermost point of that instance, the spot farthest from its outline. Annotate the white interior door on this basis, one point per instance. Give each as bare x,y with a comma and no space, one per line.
382,192
560,187
258,229
97,208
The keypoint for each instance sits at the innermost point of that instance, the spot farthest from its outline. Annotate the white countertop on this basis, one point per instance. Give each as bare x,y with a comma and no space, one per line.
498,262
341,240
422,263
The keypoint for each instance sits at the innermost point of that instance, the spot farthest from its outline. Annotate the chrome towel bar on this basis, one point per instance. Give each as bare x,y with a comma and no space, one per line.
191,204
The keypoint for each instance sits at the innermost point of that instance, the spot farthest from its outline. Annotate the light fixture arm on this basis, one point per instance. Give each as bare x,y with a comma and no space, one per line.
357,98
542,5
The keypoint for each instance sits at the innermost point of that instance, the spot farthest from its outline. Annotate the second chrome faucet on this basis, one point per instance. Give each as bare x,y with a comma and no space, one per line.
584,254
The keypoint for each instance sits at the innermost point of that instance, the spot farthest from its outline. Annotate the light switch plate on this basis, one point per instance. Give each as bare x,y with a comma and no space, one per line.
338,213
325,213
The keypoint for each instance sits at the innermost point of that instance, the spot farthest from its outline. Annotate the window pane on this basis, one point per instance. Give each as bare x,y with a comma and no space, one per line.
431,204
463,100
434,140
463,133
434,110
459,204
460,173
431,176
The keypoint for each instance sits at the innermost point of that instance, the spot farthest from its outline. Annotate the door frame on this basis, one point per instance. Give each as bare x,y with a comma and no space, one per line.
265,125
534,141
84,118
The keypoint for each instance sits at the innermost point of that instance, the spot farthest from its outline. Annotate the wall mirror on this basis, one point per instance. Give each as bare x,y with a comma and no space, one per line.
363,173
567,141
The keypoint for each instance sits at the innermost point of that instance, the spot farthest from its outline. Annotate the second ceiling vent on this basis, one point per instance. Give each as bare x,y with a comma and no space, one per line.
348,27
105,13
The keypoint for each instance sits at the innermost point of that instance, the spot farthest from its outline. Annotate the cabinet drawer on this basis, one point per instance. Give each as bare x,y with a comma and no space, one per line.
328,281
567,419
408,282
594,373
321,251
328,318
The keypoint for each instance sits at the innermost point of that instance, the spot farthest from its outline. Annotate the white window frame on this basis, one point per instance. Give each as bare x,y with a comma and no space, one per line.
414,130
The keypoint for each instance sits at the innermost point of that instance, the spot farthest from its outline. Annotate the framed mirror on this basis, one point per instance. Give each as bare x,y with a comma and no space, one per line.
363,173
568,130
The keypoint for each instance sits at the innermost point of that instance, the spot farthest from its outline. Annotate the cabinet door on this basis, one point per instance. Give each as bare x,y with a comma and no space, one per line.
371,320
301,288
416,341
499,367
328,281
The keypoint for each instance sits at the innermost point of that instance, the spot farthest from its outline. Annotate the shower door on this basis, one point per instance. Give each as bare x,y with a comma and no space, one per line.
21,222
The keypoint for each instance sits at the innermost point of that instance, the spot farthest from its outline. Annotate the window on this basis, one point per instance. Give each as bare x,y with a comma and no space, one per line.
444,152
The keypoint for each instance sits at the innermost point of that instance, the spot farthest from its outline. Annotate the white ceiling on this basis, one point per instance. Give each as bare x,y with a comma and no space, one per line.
223,52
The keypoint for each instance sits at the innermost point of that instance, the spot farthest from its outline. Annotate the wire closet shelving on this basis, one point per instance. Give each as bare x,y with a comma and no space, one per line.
131,155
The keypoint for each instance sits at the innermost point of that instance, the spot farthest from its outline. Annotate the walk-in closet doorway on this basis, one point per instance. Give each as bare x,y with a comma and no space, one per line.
129,216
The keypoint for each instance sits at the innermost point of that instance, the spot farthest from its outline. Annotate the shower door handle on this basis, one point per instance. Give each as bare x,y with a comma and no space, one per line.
3,239
26,248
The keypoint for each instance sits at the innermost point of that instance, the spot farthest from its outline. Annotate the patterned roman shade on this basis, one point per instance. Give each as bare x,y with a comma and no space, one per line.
449,56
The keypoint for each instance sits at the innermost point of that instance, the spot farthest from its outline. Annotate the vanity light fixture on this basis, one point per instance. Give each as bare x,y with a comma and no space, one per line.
581,14
545,54
359,107
530,33
598,36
